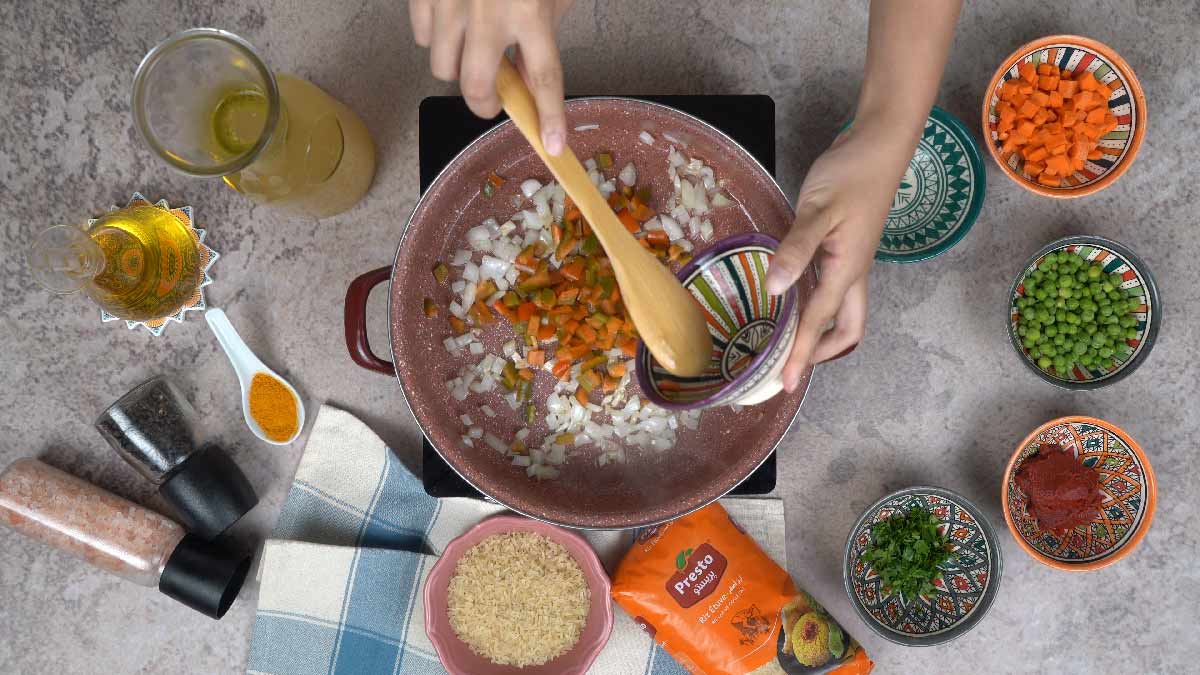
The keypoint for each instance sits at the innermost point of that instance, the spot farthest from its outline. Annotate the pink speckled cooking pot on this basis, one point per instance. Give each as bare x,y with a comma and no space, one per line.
650,487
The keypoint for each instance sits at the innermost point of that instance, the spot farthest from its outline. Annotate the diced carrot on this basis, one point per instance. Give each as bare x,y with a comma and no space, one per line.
1059,164
1087,81
1042,116
546,332
1048,82
573,271
1026,71
587,333
1034,168
1095,154
1028,109
525,374
628,347
1055,100
1045,69
581,395
1096,116
481,313
1040,98
658,238
1036,154
629,221
1005,112
504,310
1067,87
1008,90
1026,128
640,210
536,357
525,311
1026,89
1048,180
616,369
561,369
457,325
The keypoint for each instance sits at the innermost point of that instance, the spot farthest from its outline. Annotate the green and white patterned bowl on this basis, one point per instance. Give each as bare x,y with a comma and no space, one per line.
969,580
940,194
1117,259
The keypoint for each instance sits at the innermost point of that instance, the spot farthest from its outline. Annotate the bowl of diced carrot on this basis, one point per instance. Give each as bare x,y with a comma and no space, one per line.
1064,116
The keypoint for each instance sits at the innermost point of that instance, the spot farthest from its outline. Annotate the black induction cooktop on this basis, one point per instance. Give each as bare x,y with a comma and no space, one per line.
446,126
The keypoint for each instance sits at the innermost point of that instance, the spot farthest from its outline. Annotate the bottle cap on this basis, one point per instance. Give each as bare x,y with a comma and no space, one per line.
204,576
209,492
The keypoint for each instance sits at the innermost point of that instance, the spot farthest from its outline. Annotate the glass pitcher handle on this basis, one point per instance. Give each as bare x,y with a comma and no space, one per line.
64,258
323,152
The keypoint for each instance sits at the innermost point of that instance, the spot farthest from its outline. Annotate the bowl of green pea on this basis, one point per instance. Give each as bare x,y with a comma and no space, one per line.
1084,312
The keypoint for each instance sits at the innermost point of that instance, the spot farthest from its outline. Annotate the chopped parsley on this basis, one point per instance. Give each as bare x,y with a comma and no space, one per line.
906,551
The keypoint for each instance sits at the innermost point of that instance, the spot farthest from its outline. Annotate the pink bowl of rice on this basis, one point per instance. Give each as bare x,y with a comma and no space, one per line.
515,596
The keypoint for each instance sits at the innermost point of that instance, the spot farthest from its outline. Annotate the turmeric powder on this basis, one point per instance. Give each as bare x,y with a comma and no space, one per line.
274,407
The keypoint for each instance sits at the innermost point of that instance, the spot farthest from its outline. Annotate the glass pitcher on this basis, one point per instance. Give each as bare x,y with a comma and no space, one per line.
206,104
138,263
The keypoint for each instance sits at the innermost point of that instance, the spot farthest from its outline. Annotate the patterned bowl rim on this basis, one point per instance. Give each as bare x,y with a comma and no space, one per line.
978,175
1137,101
1152,301
1151,485
719,249
995,566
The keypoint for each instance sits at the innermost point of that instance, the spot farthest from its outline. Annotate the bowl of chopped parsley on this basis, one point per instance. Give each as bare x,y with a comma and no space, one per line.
922,566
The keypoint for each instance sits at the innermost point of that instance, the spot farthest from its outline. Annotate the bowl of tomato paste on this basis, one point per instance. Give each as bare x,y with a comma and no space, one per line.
1079,494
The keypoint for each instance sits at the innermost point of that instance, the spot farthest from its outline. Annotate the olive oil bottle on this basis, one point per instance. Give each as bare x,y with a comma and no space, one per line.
138,263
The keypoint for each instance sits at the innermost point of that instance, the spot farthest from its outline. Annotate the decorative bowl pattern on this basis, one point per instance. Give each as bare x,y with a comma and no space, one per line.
1126,481
1128,103
940,195
1138,281
458,658
752,331
968,585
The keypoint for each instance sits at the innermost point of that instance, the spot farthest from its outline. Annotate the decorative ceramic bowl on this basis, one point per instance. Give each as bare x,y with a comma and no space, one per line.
1138,282
940,194
752,331
965,591
1077,55
458,658
1127,483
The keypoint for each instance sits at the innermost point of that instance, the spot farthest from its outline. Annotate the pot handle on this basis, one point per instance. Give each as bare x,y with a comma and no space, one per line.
356,321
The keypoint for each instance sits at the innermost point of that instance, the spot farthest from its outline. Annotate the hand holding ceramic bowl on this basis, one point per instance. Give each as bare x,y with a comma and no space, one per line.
752,331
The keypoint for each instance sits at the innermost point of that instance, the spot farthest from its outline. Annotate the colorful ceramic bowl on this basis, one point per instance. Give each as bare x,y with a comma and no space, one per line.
1127,483
940,194
1138,282
458,658
752,331
969,580
1128,103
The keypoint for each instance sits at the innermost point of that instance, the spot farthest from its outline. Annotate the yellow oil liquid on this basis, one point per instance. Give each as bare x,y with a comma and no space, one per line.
320,160
152,266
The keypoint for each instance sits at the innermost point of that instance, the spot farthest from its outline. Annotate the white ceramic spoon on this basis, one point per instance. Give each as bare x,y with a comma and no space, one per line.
246,364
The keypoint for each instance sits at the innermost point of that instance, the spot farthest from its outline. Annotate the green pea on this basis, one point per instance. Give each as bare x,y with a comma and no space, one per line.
1044,362
1094,272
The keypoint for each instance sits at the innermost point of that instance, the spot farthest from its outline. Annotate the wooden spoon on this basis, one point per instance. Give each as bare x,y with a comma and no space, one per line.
667,317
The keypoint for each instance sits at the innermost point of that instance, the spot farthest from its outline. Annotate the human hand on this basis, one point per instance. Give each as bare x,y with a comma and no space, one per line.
467,39
840,213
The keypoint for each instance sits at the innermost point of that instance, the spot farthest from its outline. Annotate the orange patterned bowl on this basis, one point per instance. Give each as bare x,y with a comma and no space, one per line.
1126,480
1077,55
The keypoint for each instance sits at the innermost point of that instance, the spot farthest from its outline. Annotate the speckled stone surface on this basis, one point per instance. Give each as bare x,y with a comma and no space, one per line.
933,395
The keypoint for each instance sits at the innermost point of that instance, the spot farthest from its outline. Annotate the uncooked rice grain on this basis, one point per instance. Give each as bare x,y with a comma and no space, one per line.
518,599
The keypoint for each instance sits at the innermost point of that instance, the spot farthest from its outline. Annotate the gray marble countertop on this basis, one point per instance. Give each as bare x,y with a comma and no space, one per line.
933,395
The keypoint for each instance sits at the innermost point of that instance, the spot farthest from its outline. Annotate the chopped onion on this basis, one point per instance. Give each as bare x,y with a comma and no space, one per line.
479,236
476,348
530,186
492,268
507,227
719,200
652,225
521,460
608,187
451,345
495,443
461,257
671,228
466,420
646,138
522,434
470,273
628,174
587,127
475,432
706,230
590,164
671,139
457,309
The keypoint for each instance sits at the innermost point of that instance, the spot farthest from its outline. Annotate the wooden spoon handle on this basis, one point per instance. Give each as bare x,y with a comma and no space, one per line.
667,317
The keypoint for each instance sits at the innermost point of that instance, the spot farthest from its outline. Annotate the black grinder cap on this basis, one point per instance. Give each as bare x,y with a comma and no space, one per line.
204,576
209,492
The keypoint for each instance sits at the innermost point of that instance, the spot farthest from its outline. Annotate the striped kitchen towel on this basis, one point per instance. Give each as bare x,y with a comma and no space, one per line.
342,576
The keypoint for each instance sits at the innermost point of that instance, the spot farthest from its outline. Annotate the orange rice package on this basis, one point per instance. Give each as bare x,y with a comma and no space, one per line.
704,591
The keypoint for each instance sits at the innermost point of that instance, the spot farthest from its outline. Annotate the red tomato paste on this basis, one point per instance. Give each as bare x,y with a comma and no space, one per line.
1063,493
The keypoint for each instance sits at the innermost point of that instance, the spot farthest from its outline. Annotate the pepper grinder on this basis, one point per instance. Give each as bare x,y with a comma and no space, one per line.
153,428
